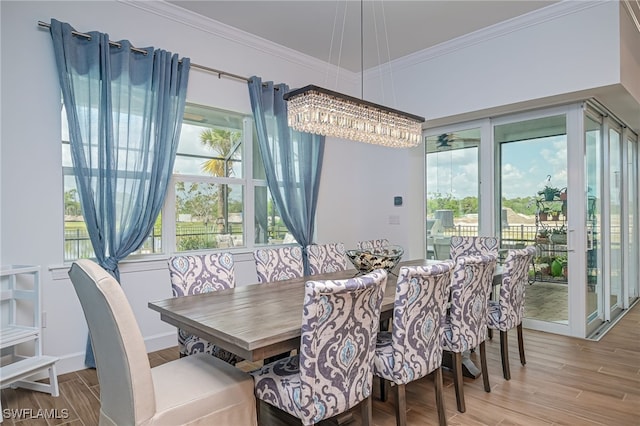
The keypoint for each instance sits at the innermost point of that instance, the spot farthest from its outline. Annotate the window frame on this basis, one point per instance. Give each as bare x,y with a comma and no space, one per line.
247,181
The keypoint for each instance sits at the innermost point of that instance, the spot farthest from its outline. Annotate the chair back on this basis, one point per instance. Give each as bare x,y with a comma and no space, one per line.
278,264
326,258
126,387
420,307
512,289
340,319
371,244
470,246
470,289
195,274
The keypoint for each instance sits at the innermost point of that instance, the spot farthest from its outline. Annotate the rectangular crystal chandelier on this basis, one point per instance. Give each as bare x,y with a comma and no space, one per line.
313,109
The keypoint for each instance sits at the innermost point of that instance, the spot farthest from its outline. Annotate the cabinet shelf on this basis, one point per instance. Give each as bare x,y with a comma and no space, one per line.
12,335
19,295
25,367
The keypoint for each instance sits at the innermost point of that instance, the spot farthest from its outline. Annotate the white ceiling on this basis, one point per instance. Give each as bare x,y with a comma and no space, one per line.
330,29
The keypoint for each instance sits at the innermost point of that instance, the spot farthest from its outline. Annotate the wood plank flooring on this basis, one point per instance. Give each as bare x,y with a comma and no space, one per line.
566,381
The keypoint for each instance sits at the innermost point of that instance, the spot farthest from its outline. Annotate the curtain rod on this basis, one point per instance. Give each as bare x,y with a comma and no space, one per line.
135,49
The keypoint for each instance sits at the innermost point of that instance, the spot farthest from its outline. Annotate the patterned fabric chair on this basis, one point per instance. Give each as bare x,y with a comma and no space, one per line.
334,370
507,312
195,274
326,258
469,246
466,323
278,264
414,348
371,244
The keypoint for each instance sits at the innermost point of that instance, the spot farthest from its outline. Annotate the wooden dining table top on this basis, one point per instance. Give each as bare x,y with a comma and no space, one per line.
256,321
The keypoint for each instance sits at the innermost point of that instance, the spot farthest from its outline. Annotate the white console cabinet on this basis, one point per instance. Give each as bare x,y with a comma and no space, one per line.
21,310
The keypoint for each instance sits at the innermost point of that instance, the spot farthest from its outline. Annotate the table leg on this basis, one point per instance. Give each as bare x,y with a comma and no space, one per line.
469,369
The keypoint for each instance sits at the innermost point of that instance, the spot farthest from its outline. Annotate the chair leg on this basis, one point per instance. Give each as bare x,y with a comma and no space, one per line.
523,361
442,412
490,333
504,353
401,406
384,390
258,412
457,381
483,366
366,412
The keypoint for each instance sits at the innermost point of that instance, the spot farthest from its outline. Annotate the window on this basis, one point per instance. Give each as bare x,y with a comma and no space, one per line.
452,184
77,244
208,181
218,181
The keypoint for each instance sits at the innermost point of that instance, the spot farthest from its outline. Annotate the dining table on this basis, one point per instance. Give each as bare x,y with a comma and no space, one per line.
259,321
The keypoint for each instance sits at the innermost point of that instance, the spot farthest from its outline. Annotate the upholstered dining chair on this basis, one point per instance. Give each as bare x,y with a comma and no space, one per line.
507,312
413,349
326,258
278,263
468,246
334,369
371,244
199,389
465,326
195,274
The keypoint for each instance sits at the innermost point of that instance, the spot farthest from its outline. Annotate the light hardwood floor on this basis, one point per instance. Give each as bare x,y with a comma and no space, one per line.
566,381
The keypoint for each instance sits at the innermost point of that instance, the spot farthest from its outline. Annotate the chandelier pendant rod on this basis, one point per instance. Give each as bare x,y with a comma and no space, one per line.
362,49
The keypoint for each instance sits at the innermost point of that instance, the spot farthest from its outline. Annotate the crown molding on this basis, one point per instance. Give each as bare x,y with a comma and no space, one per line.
536,17
234,35
633,9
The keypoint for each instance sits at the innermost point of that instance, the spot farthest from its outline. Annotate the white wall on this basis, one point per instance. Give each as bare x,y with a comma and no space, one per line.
556,51
359,181
630,61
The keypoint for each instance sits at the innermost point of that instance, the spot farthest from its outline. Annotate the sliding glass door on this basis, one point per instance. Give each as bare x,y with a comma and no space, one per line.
563,179
533,189
593,220
611,155
613,288
451,188
633,243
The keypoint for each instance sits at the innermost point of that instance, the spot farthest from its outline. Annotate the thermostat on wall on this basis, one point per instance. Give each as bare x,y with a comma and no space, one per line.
397,201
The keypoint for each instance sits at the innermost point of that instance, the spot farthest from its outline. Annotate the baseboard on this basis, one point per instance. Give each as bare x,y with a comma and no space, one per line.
75,361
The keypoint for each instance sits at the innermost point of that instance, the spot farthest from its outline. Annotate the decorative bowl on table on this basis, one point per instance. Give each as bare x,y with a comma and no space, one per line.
367,259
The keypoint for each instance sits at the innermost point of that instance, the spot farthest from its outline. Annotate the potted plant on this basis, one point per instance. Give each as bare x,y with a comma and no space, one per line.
559,235
543,236
563,194
543,263
556,267
560,267
549,193
543,214
555,213
565,267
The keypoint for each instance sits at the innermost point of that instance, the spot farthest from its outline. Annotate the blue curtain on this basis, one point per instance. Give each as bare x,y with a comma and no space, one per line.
124,110
292,160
